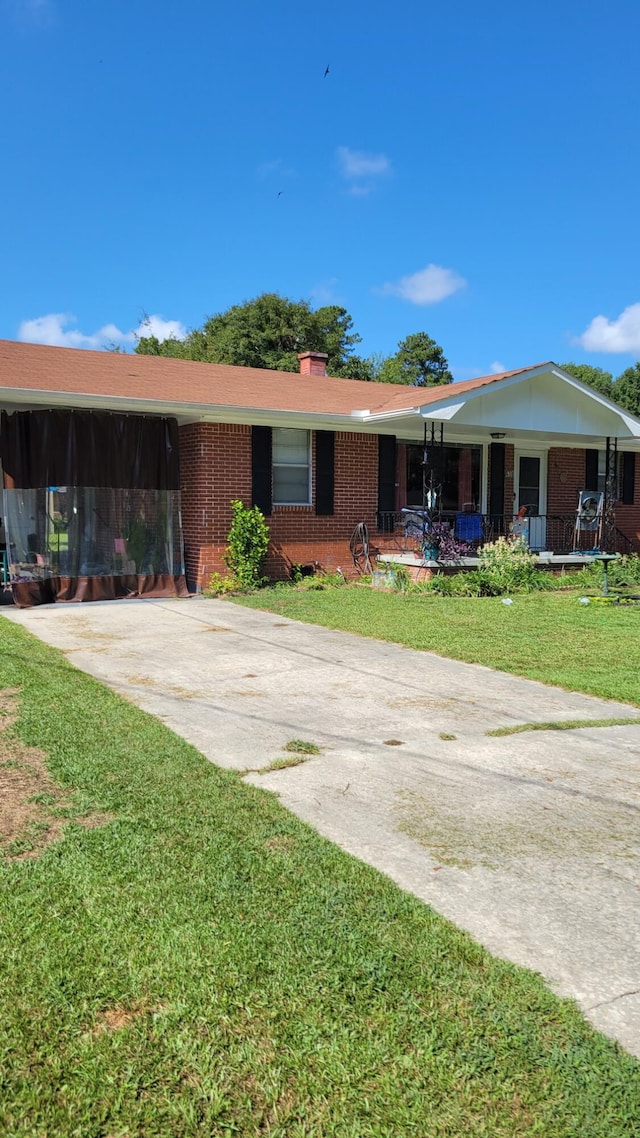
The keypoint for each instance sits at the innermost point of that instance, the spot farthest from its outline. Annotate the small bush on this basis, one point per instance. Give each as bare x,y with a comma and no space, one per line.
248,542
509,566
625,571
622,574
221,586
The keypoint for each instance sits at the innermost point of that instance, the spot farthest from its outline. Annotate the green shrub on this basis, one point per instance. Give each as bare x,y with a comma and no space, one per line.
509,566
220,586
622,574
248,542
471,583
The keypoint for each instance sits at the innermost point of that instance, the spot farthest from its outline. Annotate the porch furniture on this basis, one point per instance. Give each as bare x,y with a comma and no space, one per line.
468,527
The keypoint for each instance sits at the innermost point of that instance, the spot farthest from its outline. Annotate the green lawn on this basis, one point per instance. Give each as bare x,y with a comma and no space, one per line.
205,964
551,637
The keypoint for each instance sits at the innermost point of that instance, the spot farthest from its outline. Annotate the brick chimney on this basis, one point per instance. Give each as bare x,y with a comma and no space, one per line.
313,363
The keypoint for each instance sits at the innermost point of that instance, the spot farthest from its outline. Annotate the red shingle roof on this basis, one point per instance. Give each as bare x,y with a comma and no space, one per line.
109,375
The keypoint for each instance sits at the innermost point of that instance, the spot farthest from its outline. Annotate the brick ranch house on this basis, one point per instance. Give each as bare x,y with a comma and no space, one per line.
119,470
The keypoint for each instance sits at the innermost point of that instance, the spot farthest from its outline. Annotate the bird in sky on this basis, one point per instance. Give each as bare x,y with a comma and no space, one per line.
280,193
326,72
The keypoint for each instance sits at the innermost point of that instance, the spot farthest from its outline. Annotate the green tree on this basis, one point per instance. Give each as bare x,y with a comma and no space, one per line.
595,377
418,361
269,332
627,389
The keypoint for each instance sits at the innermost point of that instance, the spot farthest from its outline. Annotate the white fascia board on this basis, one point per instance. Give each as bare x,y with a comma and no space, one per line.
456,402
384,416
186,412
253,416
448,406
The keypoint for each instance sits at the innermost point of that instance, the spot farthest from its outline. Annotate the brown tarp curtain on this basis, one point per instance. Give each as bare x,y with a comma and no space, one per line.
89,448
91,505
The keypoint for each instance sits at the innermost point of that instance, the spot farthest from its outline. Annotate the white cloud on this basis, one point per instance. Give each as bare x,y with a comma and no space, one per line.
428,286
497,368
160,328
53,330
621,335
361,170
356,164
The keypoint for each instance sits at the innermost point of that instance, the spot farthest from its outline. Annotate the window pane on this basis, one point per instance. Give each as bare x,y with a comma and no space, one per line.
602,472
456,475
291,484
529,484
290,446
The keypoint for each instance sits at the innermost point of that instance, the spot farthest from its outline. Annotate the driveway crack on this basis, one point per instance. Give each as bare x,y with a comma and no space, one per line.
603,1003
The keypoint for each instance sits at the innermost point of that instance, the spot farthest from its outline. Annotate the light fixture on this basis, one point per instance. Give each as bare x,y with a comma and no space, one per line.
497,434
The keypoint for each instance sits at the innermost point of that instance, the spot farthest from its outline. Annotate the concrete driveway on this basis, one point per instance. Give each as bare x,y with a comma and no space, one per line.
530,842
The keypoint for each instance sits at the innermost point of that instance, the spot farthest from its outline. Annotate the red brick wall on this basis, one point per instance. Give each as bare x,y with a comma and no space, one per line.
628,517
566,479
216,468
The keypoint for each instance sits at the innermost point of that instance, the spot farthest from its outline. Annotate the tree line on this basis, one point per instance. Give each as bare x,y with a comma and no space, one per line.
270,330
625,390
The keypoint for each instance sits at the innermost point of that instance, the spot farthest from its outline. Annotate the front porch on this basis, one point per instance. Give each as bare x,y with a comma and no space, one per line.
450,544
406,530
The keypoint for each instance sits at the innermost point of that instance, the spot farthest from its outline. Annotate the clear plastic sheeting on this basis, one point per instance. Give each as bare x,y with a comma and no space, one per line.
92,532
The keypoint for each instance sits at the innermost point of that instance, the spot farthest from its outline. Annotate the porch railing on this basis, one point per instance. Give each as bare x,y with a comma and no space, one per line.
554,532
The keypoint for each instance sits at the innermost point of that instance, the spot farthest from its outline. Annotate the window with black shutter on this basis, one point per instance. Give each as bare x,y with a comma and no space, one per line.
591,470
628,477
261,468
325,472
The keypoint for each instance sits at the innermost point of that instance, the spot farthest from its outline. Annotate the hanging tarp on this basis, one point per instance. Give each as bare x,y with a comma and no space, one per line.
91,505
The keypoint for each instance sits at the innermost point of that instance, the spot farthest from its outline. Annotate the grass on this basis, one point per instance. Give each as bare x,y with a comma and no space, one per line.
300,747
283,763
205,964
565,725
544,636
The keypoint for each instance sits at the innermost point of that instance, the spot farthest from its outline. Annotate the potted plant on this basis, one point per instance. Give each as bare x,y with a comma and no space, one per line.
431,546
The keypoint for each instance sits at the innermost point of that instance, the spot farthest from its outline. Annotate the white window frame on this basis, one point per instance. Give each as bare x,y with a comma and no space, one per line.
292,465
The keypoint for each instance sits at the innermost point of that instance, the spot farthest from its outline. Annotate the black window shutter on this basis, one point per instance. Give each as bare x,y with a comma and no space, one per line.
325,465
591,470
496,479
628,477
261,468
386,481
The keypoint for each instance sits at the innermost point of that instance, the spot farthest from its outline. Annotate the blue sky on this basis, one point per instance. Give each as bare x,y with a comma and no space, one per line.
467,170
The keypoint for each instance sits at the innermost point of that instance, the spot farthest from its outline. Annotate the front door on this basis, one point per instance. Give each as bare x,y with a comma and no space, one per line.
530,486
